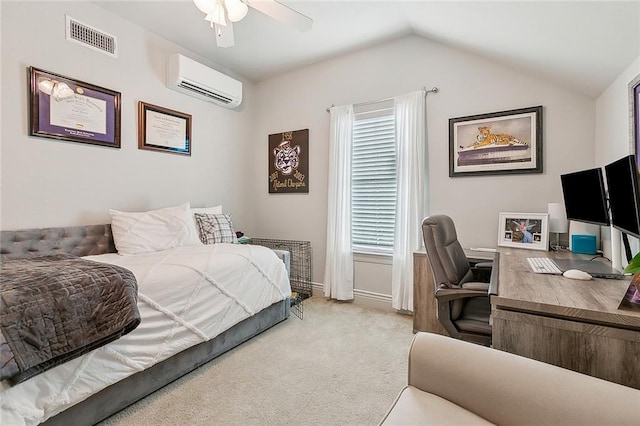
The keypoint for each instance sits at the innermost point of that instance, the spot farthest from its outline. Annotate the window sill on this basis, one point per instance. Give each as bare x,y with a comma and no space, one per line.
370,257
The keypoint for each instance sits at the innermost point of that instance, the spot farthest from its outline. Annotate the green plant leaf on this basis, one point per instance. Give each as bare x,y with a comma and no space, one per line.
634,266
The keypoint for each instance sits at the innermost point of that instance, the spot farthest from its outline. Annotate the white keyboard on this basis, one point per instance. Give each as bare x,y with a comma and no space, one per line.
543,265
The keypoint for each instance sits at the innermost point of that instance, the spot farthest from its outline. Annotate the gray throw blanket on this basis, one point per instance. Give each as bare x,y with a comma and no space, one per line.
55,308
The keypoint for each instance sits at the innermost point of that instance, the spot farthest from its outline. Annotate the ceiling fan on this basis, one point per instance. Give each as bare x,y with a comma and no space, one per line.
222,13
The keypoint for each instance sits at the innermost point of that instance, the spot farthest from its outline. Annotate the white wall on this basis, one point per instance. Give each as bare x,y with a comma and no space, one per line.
468,85
612,118
51,183
613,130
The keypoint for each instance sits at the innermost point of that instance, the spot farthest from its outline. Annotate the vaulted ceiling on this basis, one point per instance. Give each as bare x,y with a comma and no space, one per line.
583,45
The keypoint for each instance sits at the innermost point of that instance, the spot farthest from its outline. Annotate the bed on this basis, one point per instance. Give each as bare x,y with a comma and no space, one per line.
195,302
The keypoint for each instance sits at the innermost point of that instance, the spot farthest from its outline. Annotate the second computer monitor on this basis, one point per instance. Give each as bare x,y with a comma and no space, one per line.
624,195
585,198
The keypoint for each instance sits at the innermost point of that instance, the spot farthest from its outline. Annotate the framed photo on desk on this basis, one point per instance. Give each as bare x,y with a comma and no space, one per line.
524,230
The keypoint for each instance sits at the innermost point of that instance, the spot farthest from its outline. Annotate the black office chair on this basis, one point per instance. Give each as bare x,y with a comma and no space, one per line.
461,287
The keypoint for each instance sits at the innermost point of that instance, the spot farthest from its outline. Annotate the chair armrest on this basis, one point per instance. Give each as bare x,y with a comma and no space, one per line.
474,256
444,294
483,261
476,286
509,389
481,270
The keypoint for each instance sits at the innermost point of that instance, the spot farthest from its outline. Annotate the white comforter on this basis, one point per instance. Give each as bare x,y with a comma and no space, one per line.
187,295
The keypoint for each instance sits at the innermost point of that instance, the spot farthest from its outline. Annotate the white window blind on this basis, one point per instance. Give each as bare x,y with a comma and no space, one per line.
374,180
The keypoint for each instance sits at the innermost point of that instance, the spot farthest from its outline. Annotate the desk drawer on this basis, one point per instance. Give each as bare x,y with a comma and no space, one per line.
606,352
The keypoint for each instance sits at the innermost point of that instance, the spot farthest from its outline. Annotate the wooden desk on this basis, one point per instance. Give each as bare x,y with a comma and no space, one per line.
570,323
424,301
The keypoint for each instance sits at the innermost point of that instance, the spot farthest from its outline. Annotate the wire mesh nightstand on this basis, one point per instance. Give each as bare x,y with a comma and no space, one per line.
300,269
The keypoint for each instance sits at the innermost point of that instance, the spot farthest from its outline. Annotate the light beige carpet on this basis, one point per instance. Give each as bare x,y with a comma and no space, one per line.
341,365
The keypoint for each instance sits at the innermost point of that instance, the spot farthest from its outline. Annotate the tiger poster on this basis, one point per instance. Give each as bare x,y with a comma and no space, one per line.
289,162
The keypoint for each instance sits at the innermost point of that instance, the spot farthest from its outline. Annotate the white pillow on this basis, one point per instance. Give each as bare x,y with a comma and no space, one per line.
154,230
194,238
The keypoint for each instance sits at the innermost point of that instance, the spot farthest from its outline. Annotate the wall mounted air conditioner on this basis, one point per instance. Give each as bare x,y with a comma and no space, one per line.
195,79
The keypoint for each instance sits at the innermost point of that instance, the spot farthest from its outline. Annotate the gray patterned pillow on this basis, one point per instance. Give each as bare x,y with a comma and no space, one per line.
215,228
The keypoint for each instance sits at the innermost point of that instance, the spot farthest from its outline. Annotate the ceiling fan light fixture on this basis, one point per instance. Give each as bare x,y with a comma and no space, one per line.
217,15
218,12
214,10
205,6
236,10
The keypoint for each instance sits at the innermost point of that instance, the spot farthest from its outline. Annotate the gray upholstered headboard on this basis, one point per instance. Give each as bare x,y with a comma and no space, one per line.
76,240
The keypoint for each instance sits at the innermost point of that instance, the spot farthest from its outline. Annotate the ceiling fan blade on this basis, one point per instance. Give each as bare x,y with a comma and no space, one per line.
224,35
282,13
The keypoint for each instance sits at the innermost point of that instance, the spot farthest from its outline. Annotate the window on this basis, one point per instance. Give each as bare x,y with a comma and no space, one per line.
374,185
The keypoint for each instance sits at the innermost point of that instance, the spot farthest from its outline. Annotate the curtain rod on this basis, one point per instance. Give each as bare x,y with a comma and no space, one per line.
432,90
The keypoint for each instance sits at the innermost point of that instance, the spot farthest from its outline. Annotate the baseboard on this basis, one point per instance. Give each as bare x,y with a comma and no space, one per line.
366,298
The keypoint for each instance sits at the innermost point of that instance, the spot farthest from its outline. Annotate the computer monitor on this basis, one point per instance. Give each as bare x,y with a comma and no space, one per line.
624,195
585,198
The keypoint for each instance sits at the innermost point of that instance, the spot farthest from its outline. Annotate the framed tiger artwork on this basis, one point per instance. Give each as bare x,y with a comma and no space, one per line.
504,142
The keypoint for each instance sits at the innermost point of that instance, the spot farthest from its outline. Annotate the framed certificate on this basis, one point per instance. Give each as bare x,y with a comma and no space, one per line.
71,110
163,129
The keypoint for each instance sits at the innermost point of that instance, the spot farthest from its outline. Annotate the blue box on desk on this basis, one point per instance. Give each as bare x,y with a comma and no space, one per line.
584,244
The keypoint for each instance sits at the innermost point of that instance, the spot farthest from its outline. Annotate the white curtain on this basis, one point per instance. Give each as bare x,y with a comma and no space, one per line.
410,111
338,273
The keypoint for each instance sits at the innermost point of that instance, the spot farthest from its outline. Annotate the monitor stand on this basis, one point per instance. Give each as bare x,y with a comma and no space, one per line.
627,247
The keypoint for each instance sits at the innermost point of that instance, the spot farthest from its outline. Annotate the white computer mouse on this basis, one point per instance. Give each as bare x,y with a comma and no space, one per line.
576,274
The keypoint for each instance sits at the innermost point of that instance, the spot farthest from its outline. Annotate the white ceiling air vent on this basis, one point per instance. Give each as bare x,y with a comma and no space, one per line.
91,37
195,79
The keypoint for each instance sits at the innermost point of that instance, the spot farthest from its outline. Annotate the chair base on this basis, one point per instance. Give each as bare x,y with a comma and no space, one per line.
444,312
476,338
481,339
